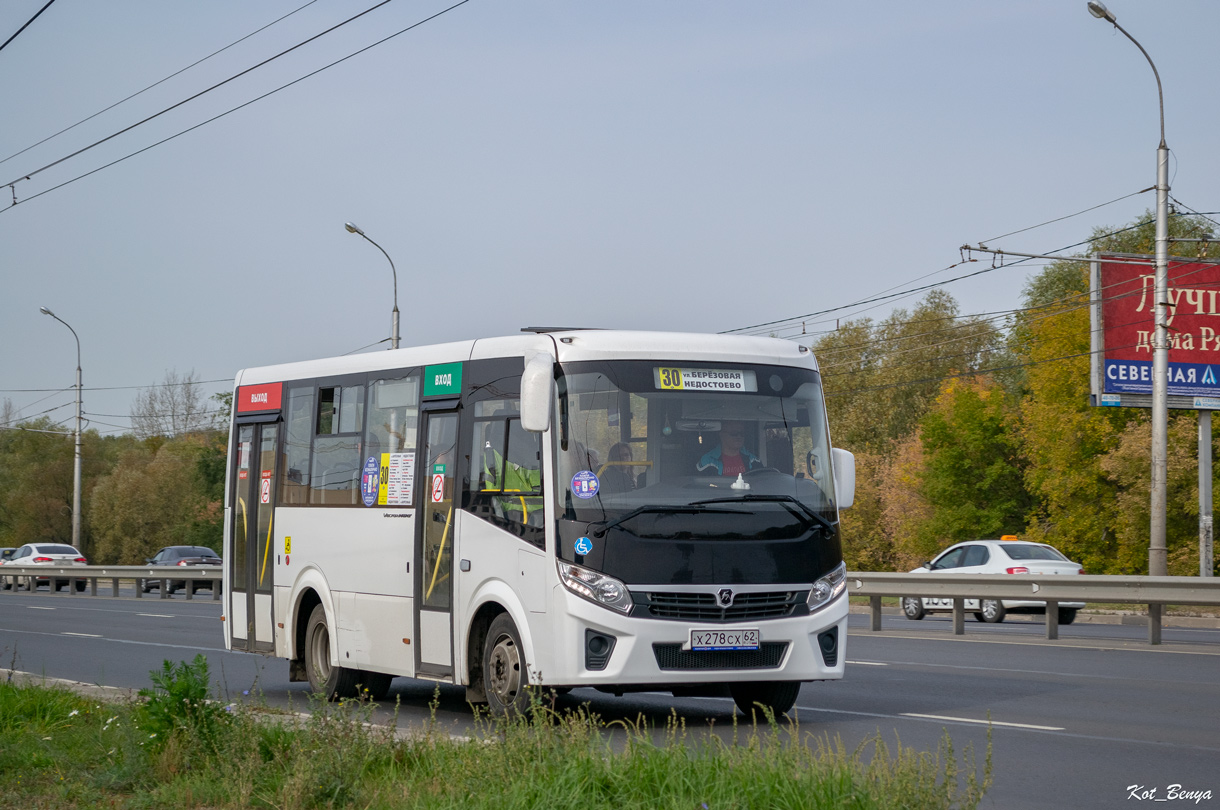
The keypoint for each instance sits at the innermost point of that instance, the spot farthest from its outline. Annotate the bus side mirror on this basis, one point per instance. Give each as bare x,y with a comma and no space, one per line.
845,476
537,392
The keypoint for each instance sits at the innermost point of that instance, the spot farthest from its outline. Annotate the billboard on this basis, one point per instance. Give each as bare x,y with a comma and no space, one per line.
1121,295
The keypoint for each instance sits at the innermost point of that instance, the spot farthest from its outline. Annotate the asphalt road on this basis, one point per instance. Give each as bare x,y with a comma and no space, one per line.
1076,723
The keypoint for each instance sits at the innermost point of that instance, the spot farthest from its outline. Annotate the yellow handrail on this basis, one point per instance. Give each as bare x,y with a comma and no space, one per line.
440,553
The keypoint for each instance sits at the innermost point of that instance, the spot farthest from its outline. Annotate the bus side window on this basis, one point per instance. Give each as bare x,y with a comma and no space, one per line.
294,483
335,472
506,471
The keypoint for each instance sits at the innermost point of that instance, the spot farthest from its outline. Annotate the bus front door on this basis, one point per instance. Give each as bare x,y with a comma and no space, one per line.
250,562
435,538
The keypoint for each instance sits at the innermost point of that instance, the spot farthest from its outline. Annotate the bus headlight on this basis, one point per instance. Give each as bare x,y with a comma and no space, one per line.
595,587
828,588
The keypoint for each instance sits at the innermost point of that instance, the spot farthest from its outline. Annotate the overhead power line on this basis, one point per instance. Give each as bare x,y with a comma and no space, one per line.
158,82
913,291
223,114
27,24
204,92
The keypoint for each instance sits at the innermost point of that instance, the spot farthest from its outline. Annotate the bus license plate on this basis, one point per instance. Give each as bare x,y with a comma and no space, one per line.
723,640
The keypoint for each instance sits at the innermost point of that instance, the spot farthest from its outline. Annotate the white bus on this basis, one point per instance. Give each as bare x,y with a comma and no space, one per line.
627,511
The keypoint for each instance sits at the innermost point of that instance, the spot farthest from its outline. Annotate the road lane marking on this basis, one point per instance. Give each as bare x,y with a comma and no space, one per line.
82,635
868,663
36,607
1136,646
982,722
157,615
4,630
1034,730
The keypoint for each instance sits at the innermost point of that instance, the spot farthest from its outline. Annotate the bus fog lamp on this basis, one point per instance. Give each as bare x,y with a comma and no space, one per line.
595,586
828,588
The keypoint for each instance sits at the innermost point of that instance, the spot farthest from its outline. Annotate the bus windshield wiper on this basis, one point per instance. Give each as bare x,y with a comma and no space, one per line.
664,509
787,501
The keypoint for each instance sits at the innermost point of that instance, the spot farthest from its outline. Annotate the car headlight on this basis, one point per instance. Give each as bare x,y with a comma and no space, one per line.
828,587
595,587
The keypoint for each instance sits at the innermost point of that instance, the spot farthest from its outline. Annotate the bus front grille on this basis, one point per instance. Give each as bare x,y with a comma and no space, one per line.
673,657
703,607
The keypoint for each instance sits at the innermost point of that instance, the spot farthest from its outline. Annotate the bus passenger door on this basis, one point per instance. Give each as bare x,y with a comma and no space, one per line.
250,565
435,537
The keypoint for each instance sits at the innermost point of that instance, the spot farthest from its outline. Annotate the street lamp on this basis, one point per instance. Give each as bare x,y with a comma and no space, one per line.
352,228
76,463
1157,565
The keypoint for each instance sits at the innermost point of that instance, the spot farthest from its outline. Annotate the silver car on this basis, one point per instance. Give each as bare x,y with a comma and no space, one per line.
56,554
1008,555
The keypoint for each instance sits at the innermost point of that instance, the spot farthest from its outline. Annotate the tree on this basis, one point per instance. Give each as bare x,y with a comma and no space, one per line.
881,378
973,476
175,407
160,494
36,466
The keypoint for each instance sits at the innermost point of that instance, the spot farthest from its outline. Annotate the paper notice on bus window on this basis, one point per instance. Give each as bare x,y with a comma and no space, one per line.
704,379
397,479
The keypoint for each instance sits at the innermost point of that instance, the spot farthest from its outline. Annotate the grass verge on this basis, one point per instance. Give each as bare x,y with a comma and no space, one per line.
61,750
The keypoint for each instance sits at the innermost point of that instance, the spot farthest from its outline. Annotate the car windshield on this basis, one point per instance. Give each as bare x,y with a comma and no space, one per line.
1031,551
52,549
674,450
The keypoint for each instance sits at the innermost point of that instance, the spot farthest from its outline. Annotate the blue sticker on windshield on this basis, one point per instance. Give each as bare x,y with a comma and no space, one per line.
583,546
369,480
585,484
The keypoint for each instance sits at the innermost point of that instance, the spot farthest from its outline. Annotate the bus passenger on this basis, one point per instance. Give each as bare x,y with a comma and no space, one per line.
619,473
730,456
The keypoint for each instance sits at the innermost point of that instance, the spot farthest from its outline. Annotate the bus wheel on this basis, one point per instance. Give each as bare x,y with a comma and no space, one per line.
778,696
374,685
332,682
504,672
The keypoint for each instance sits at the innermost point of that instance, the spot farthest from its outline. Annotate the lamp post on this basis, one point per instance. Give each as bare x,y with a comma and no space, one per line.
76,462
1160,342
352,228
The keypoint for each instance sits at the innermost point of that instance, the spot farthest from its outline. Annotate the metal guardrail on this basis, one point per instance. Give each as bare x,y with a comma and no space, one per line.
29,574
1155,592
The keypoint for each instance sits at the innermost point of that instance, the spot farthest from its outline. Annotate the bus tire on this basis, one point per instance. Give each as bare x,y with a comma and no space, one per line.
778,696
505,675
331,682
374,685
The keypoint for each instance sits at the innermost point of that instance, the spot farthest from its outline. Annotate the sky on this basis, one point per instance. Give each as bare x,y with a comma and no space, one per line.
677,166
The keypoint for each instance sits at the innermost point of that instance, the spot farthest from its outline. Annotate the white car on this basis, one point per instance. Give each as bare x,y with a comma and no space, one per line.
1008,555
56,554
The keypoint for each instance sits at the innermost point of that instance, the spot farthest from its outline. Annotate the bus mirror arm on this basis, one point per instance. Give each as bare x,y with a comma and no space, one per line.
537,393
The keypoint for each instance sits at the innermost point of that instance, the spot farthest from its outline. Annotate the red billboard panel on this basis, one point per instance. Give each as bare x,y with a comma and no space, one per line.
257,398
1124,285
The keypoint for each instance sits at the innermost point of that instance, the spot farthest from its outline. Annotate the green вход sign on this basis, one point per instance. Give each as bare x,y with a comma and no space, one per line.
443,380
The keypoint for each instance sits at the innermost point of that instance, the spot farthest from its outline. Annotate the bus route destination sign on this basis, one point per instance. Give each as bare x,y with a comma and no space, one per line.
1122,313
704,379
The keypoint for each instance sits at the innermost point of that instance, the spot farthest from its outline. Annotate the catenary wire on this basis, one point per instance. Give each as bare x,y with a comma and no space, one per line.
156,83
227,112
27,24
188,99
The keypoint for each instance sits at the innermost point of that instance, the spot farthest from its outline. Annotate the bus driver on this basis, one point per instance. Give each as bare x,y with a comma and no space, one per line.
729,457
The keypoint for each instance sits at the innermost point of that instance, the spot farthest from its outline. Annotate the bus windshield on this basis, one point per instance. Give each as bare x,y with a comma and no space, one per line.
687,450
